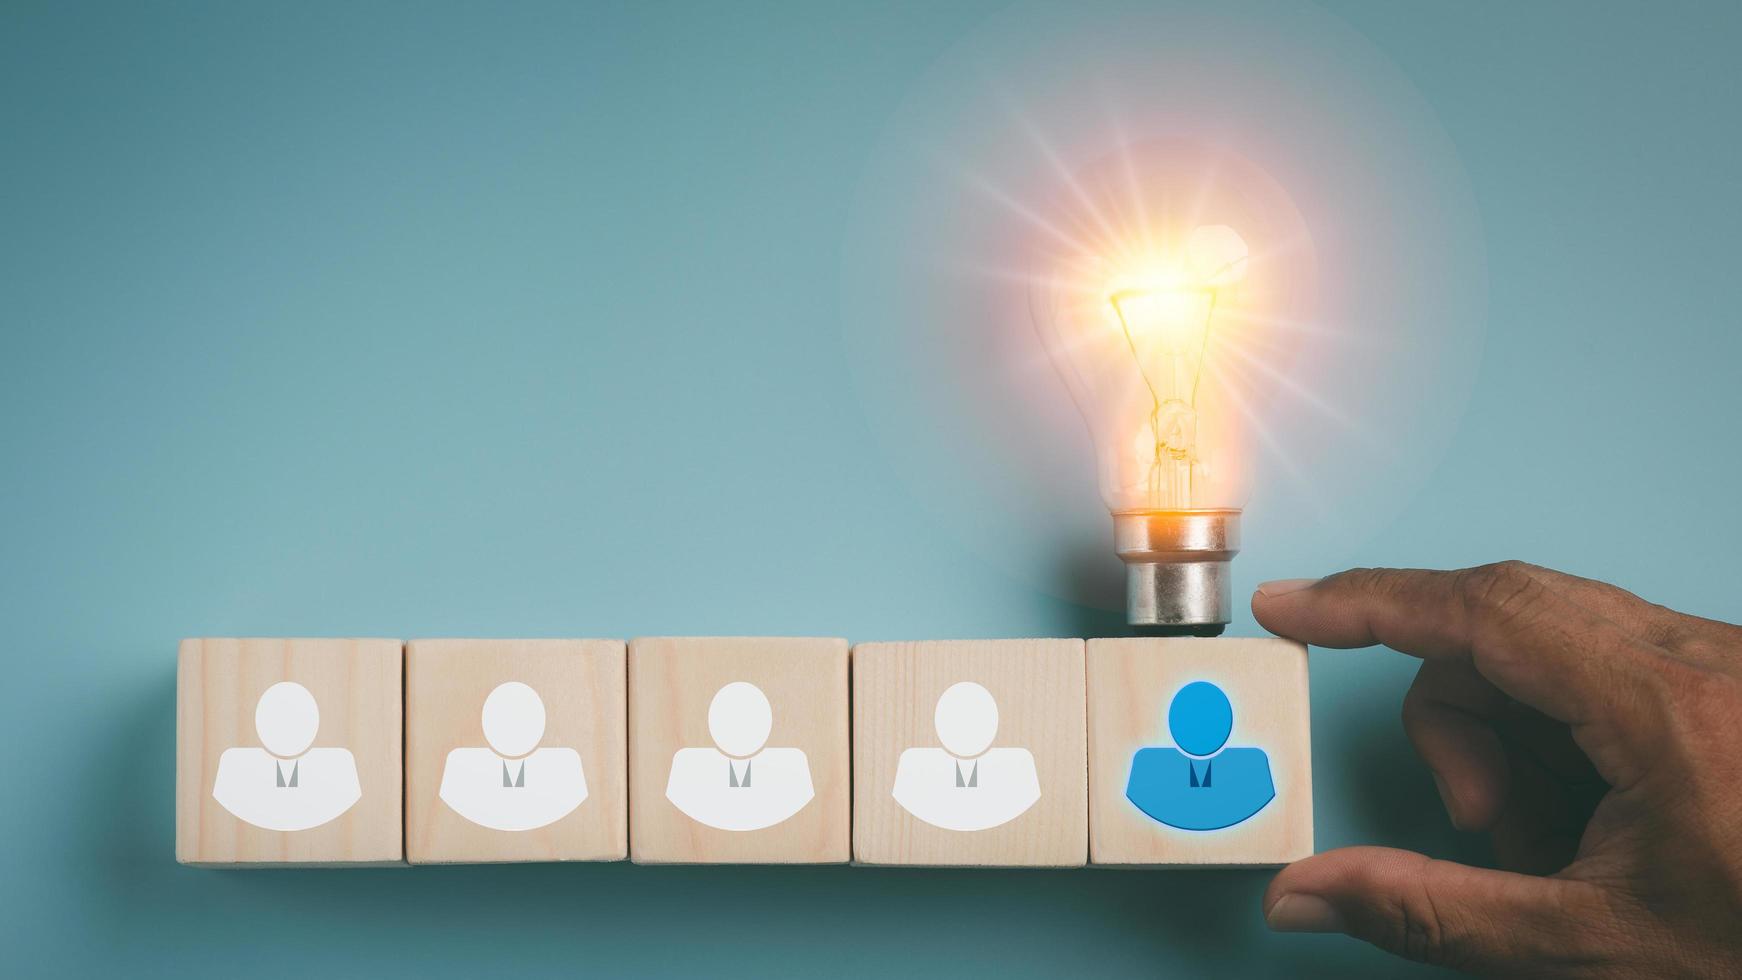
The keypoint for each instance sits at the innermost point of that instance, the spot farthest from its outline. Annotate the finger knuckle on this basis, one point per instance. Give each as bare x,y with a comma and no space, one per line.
1499,593
1421,931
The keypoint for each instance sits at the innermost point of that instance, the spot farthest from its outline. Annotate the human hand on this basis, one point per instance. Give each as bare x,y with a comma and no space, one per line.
1595,736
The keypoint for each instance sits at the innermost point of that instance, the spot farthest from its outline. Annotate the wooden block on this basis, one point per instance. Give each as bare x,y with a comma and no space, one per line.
288,752
515,750
970,753
738,751
1199,752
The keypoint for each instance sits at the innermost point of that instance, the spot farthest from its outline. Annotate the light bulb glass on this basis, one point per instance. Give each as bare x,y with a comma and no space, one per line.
1158,301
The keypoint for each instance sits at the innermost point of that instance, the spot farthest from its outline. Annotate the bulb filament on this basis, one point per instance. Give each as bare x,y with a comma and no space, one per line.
1167,330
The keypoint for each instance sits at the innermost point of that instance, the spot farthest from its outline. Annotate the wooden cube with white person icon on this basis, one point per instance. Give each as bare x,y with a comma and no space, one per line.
288,752
738,751
515,750
1199,752
970,753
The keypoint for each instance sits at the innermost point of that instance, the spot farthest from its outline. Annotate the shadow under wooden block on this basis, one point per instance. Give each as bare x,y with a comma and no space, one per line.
515,750
738,751
1199,752
288,752
969,752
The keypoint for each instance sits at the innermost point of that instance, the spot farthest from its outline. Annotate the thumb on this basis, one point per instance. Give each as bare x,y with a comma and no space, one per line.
1439,912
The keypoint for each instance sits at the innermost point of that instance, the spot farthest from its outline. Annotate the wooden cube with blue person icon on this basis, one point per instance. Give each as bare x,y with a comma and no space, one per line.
970,753
516,750
1200,752
738,751
288,752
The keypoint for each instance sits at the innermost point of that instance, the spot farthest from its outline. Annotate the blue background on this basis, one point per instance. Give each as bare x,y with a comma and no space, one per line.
463,320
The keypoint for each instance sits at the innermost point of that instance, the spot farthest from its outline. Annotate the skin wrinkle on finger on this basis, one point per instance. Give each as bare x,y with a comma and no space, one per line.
1652,623
1428,933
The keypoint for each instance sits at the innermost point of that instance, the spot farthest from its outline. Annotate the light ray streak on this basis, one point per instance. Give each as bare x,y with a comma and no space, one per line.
1305,488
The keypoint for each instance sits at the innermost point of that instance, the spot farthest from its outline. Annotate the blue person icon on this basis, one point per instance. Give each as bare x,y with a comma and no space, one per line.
1197,784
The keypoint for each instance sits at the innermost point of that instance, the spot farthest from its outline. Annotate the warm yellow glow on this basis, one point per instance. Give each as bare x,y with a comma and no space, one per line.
1166,313
1171,317
1163,324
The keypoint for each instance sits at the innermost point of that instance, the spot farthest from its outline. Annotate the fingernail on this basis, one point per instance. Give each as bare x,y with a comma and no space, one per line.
1303,913
1283,586
1450,801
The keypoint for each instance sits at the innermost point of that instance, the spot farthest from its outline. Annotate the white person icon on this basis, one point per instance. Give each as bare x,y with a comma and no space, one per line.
286,785
738,783
514,784
967,784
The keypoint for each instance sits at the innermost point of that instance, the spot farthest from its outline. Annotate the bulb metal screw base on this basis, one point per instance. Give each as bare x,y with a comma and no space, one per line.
1177,567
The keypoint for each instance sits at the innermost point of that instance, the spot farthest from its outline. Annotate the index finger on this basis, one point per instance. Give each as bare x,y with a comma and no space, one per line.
1526,639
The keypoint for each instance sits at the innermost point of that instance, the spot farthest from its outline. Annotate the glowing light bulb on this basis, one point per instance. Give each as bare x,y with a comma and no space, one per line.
1166,320
1149,304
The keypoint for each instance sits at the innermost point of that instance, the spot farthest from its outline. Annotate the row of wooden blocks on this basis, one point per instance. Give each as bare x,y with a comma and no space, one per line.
1035,752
